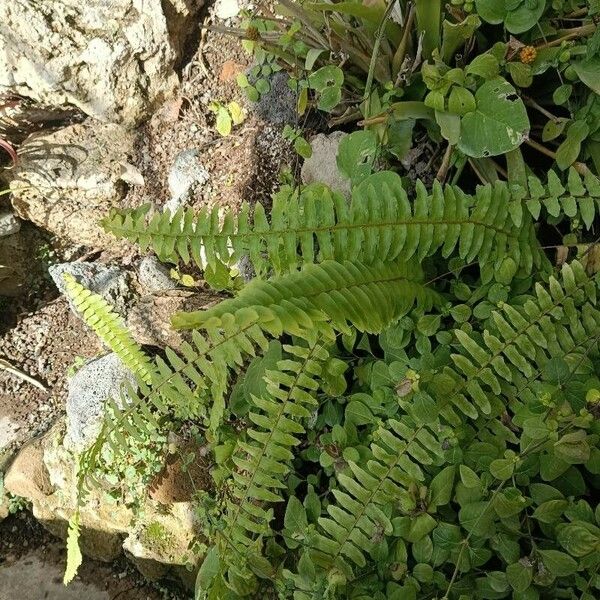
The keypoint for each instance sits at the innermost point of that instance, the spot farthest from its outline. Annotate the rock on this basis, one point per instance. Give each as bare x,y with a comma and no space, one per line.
27,476
56,52
9,224
157,539
226,9
3,508
89,389
186,174
108,282
68,180
154,276
278,105
149,320
322,167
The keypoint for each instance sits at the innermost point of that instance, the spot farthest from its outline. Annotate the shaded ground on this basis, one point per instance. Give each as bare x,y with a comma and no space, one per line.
32,565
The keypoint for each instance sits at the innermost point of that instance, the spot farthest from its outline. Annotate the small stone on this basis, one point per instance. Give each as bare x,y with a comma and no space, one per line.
226,9
322,165
27,476
108,282
97,381
186,174
278,105
9,224
154,276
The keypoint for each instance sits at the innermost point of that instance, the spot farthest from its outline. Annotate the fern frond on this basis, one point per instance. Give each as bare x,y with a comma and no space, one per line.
109,327
517,344
580,198
263,459
369,297
316,225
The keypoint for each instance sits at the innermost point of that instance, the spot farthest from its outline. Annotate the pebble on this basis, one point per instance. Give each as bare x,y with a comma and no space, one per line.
9,224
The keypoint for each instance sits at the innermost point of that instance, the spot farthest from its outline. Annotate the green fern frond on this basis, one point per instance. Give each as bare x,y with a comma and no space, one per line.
517,344
369,297
263,459
580,198
316,225
109,327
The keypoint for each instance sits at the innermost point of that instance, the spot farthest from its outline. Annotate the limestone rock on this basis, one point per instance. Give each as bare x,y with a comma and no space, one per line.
98,380
27,476
154,276
322,167
108,282
114,60
68,180
186,174
157,539
9,224
149,320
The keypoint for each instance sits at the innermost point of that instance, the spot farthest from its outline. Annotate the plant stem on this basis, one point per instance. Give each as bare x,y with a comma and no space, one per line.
569,34
443,170
531,102
581,168
400,54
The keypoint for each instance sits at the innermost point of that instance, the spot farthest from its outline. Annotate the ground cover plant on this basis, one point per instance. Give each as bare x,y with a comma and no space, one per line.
403,403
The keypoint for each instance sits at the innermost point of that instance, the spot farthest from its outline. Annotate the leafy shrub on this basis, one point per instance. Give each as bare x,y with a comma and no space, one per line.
485,76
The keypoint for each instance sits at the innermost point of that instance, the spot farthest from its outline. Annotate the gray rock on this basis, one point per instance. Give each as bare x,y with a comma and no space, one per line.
108,282
278,105
9,224
186,174
97,381
67,180
154,276
55,52
322,167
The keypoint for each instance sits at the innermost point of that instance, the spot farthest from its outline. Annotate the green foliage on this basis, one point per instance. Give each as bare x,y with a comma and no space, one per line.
482,75
317,225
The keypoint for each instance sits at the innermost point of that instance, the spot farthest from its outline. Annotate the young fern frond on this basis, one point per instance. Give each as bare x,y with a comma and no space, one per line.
369,297
561,321
263,458
108,325
316,225
581,197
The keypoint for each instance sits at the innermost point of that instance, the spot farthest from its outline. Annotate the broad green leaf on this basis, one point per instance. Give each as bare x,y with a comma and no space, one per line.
589,72
524,16
577,540
210,568
223,121
558,563
295,516
356,155
498,125
519,575
550,511
502,468
440,489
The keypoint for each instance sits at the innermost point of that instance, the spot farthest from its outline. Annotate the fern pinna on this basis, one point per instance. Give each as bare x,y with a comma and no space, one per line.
342,271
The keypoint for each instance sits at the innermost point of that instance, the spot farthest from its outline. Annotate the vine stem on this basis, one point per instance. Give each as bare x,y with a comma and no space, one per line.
581,168
569,34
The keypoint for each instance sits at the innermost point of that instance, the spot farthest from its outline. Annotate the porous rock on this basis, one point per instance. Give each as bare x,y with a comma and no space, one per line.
154,276
108,282
28,476
186,175
9,224
322,166
156,539
66,181
98,380
278,105
114,60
